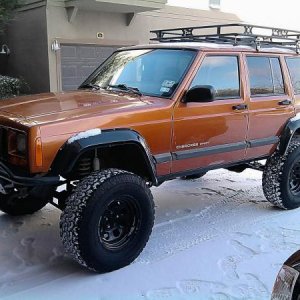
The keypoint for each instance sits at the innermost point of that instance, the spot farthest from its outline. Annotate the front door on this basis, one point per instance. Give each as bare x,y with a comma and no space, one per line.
212,133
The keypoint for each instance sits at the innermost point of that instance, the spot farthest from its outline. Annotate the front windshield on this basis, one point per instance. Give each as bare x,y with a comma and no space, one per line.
151,72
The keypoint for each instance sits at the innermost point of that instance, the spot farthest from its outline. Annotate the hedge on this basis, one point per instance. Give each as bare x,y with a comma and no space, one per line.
11,87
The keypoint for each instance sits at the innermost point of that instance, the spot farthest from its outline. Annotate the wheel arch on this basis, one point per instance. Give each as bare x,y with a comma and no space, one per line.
133,152
291,129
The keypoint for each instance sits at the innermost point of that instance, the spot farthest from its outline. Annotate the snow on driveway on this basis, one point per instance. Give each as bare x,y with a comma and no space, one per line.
214,238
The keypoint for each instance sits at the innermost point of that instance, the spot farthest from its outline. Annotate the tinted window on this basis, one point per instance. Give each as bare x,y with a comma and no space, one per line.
294,69
265,75
222,73
152,72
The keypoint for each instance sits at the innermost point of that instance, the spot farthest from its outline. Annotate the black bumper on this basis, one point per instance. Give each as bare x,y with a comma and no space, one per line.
8,176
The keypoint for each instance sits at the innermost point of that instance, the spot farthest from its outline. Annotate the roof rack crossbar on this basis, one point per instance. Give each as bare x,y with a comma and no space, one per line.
236,34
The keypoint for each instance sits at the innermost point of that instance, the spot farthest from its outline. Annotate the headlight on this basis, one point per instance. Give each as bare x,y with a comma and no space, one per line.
285,283
17,143
21,143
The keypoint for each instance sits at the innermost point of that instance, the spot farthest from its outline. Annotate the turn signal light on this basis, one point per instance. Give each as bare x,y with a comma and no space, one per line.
38,153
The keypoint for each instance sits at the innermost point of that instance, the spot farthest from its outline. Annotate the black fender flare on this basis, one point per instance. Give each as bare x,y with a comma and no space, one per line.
288,132
70,152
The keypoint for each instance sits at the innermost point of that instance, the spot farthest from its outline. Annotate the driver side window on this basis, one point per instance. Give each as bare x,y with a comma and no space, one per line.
221,72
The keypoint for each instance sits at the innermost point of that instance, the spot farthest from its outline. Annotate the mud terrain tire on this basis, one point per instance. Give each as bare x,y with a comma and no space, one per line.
281,178
107,220
16,205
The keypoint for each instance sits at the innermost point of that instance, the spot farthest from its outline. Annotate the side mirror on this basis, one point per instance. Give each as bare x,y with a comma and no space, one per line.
200,93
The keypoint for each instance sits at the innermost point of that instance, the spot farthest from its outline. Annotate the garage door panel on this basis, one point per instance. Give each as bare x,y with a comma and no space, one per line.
86,53
68,52
104,52
85,71
79,61
69,71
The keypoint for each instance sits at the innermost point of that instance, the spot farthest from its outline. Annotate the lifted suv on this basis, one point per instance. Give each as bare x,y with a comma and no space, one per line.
189,104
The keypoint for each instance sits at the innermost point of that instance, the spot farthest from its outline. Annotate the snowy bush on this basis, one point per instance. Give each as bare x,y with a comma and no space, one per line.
11,87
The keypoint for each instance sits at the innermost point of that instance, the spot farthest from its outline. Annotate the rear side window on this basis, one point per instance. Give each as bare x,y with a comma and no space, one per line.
265,76
294,69
221,72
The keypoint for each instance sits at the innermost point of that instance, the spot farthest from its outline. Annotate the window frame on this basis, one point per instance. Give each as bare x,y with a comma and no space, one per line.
272,74
286,58
239,61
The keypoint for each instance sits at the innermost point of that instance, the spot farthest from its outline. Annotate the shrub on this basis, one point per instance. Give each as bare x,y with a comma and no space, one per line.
11,87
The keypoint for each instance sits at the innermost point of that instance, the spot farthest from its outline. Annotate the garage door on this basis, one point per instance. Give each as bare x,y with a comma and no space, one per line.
79,61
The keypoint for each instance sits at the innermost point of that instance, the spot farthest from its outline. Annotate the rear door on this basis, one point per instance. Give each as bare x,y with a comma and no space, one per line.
270,103
212,133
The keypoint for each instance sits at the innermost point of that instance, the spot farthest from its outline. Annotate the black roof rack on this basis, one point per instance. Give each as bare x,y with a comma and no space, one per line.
235,34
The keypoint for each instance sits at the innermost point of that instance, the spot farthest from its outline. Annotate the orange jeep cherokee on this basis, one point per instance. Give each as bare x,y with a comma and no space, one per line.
222,96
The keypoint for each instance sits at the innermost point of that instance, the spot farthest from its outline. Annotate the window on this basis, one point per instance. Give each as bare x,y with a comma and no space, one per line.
222,73
294,69
265,76
155,72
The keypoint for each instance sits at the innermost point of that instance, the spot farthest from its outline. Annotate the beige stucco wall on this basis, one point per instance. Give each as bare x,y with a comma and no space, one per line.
86,24
40,22
27,38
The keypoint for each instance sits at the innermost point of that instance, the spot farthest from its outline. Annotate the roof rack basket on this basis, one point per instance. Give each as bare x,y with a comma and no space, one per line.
235,34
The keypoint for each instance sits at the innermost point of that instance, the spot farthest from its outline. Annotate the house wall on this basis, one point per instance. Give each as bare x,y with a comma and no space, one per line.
41,22
26,37
86,24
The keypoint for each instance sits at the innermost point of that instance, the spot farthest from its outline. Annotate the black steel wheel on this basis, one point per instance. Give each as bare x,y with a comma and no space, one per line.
107,220
119,223
281,178
22,201
294,178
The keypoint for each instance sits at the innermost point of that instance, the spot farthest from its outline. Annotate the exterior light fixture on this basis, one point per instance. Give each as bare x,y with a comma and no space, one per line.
5,50
55,45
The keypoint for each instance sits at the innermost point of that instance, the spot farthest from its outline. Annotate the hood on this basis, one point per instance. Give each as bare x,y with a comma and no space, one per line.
54,107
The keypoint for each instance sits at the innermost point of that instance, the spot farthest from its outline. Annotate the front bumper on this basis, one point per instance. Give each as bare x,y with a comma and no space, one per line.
7,176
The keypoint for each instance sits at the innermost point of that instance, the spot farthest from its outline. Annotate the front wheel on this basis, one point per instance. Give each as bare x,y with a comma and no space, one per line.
107,220
281,178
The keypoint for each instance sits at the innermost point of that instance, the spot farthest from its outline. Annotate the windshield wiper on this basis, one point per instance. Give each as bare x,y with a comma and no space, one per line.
90,86
126,88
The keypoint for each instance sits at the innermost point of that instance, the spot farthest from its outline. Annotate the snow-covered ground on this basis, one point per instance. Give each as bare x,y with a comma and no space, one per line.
214,238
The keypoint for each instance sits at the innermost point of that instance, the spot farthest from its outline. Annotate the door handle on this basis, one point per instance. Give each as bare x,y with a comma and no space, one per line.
285,102
240,107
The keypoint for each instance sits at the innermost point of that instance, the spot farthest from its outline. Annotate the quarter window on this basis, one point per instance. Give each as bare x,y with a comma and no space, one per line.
294,69
221,72
265,76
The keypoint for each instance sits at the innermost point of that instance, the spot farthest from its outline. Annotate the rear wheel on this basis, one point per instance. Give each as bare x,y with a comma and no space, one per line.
107,220
281,178
23,201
